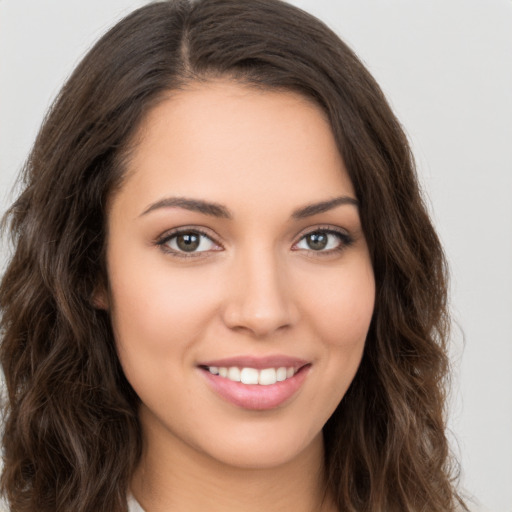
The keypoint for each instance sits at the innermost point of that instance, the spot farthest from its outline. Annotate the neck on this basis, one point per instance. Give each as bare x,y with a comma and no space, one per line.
177,477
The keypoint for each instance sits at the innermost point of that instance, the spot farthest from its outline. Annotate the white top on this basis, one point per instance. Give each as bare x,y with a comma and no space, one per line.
133,506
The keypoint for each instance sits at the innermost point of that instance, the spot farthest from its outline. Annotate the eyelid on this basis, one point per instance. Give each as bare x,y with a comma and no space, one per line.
164,238
346,239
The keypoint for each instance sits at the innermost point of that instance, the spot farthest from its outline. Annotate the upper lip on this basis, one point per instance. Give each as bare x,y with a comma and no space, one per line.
259,363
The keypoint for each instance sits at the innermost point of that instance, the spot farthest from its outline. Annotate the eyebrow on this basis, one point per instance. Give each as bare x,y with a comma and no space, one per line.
218,210
194,205
323,206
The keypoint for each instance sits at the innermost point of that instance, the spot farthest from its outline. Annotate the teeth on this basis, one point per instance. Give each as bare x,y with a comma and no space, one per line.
249,376
267,377
234,374
281,374
264,377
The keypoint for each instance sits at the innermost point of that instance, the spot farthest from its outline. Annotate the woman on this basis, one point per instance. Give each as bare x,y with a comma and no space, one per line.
224,280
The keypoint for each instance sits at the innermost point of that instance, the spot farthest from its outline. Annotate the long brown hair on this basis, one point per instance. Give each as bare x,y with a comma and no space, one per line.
72,437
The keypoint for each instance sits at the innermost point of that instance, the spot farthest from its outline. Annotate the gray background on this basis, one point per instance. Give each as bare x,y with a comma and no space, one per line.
446,66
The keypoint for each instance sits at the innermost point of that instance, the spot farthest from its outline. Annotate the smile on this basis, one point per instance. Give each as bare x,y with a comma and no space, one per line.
263,377
256,383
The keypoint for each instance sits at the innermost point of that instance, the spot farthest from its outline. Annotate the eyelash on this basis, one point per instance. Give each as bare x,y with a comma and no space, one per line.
345,240
167,237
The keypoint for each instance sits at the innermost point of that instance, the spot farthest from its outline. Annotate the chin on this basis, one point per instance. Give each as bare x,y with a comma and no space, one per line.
253,449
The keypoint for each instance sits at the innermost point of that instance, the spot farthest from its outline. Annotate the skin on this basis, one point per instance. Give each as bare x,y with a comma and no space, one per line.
255,288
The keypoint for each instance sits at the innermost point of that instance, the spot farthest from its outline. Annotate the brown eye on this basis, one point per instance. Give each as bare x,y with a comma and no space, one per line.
188,242
317,241
324,241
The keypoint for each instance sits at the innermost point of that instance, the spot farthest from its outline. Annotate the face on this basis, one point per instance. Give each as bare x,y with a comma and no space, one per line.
241,288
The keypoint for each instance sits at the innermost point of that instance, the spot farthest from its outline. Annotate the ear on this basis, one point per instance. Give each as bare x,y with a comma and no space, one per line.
99,298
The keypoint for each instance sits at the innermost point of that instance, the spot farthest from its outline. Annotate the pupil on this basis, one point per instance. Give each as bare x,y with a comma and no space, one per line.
317,241
188,242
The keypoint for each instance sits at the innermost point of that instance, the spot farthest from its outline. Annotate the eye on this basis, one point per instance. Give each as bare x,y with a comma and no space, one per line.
188,242
324,240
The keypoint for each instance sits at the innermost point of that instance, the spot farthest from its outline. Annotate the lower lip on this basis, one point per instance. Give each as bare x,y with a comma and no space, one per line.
254,396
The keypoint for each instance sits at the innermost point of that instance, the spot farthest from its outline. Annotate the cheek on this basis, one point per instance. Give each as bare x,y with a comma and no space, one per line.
343,310
340,315
157,316
157,325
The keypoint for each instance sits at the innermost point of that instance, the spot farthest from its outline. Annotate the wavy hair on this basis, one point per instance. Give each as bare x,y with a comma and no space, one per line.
72,437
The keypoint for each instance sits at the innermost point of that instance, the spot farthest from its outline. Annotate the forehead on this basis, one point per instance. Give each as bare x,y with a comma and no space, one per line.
222,139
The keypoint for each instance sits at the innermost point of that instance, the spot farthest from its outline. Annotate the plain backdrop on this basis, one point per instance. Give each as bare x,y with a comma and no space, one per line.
446,67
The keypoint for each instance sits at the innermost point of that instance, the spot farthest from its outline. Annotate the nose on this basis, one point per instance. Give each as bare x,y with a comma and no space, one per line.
259,299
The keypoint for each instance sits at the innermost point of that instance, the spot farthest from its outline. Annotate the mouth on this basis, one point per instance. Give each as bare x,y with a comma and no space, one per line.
256,384
253,376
